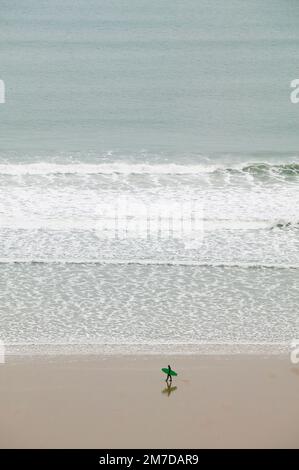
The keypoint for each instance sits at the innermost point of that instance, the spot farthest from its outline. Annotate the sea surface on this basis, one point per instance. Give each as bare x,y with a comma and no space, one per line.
149,175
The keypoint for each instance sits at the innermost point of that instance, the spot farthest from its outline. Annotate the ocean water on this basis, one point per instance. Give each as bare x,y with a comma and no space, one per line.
153,108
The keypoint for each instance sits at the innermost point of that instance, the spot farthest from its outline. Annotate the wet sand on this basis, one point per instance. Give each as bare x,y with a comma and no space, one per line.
248,401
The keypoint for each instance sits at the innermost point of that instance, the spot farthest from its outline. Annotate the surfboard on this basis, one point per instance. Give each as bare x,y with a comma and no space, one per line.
166,370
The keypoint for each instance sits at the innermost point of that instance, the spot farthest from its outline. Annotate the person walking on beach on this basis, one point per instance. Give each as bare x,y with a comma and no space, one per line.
169,377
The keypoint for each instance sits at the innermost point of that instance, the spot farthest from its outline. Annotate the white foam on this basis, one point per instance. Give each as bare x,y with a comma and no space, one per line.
23,350
126,168
89,224
44,168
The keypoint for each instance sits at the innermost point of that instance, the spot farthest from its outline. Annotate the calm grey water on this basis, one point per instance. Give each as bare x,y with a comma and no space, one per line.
159,103
171,76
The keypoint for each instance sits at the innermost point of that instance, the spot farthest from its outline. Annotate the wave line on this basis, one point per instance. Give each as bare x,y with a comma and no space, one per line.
147,262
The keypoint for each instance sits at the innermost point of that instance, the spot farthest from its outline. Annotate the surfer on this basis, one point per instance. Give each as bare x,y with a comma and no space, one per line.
169,377
170,373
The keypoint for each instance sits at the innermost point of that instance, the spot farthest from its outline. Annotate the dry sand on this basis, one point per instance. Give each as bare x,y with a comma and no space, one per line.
122,402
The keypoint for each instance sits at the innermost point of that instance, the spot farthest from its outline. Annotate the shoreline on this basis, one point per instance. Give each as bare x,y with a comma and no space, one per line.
15,350
226,401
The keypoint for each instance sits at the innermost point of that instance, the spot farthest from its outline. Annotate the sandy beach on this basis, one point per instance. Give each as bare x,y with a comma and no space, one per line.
248,401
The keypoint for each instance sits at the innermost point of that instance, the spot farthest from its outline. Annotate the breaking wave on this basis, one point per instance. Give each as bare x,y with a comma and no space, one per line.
288,169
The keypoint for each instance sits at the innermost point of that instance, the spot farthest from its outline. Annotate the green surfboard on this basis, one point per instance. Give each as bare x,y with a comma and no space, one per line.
166,370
